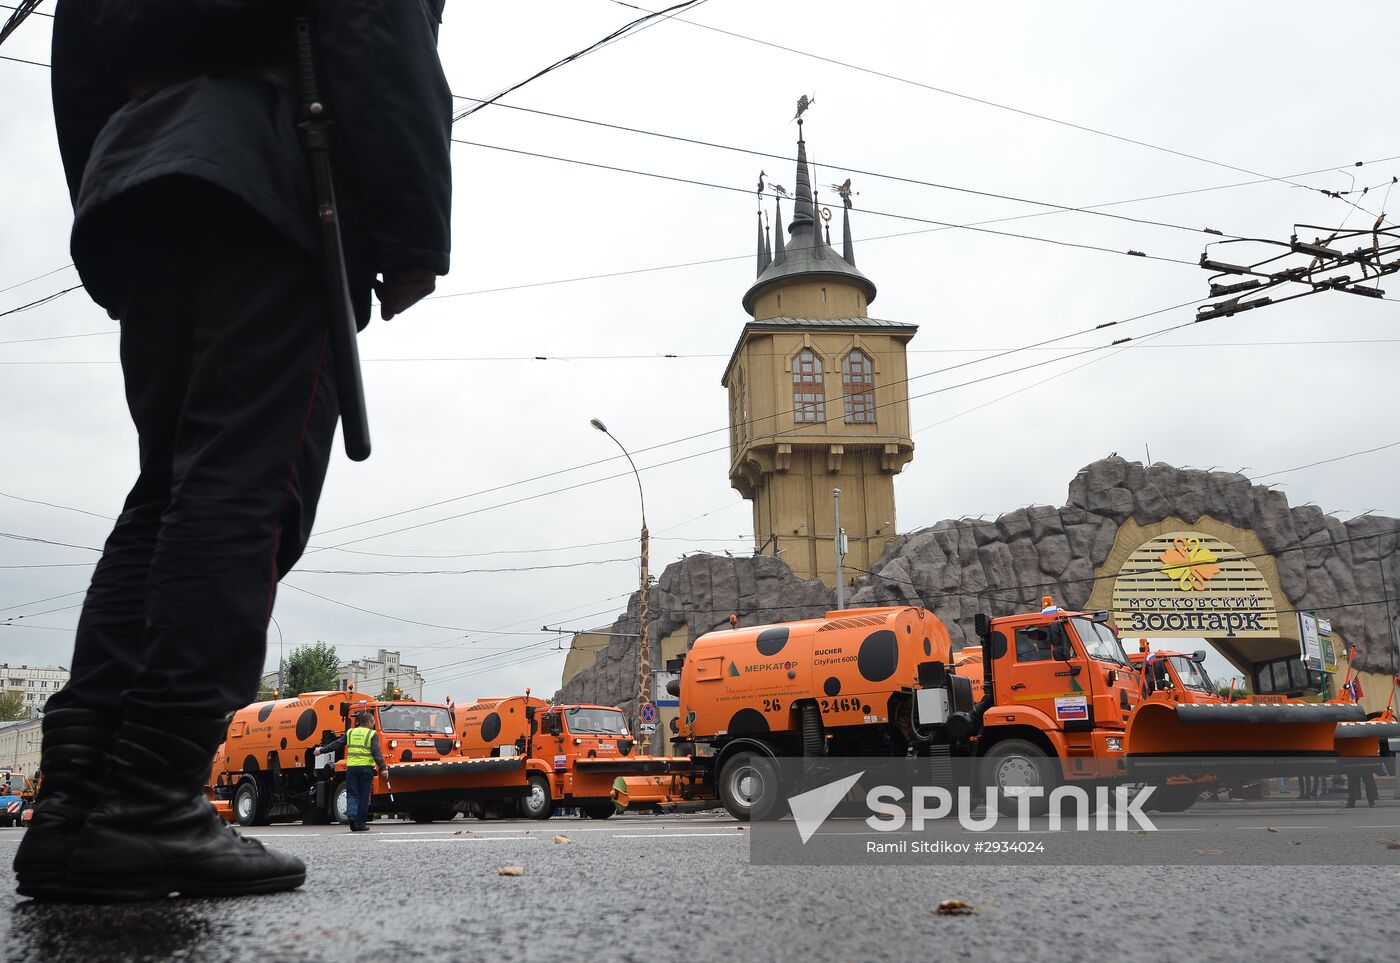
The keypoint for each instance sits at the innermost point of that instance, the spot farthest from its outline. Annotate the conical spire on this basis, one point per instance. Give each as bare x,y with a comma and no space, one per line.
763,257
779,252
848,250
806,254
802,199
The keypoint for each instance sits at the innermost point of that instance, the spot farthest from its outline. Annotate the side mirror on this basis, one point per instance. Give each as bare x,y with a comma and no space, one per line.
982,625
1198,656
1059,643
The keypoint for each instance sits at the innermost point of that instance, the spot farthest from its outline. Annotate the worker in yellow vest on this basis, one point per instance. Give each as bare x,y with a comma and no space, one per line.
362,758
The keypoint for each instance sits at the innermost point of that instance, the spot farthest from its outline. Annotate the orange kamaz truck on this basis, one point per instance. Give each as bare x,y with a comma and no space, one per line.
268,768
1045,700
1183,720
572,753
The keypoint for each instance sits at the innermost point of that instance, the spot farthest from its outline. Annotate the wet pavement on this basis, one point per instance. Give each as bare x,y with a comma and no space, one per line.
682,887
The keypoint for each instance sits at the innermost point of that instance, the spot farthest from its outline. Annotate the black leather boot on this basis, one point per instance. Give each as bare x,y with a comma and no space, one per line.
73,763
154,832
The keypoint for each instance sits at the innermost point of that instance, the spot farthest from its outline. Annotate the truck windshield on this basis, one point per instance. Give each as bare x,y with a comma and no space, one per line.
598,722
1192,674
1099,641
398,718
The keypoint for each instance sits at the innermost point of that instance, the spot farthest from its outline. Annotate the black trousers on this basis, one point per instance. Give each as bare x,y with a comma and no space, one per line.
229,383
1355,780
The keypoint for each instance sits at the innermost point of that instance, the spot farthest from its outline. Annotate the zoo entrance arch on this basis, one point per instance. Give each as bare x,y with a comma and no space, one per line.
1201,579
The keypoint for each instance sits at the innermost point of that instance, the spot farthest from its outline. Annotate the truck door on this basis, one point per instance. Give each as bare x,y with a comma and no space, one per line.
549,747
1048,673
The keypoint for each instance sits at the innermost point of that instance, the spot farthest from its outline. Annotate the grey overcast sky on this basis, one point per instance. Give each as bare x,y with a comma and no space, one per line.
1253,89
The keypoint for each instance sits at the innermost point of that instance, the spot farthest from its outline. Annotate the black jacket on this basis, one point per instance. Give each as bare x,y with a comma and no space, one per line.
146,89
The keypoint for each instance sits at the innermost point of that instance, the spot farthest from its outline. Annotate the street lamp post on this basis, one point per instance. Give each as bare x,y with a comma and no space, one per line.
643,613
281,662
840,547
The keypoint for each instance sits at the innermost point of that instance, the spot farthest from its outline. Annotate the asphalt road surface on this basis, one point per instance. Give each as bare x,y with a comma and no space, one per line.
683,888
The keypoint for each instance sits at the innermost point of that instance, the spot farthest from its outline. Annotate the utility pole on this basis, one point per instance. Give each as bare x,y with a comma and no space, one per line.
643,609
840,546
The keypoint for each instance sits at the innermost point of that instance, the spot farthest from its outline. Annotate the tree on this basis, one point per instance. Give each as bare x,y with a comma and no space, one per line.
312,668
12,706
387,695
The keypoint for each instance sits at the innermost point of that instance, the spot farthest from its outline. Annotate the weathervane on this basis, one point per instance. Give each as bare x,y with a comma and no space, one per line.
803,103
845,191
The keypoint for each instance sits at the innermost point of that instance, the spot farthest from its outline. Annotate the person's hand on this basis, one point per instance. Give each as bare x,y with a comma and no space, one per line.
401,290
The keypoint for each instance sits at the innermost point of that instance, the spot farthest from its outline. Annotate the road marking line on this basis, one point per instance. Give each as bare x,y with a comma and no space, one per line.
463,839
282,835
667,836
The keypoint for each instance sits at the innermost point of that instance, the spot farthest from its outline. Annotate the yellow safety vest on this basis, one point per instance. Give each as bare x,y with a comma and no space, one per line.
357,751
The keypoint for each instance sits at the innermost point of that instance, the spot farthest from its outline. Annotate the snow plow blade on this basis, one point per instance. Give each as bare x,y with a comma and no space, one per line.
634,765
1289,713
1257,739
1374,729
677,792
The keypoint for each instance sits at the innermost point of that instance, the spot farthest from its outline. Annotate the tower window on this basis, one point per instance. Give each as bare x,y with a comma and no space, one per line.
858,386
808,394
738,409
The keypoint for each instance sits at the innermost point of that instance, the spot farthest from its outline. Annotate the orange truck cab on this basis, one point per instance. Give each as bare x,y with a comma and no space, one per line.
1184,728
269,767
572,753
1046,698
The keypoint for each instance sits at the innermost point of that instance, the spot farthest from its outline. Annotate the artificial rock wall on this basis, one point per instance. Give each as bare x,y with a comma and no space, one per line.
958,567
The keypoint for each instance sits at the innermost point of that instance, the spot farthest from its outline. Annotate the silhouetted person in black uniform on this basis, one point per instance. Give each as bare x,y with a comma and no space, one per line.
194,227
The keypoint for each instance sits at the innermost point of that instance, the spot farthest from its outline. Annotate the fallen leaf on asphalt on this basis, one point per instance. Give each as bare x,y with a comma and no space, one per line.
1270,829
511,871
741,828
1208,852
562,839
955,907
461,832
1392,843
1296,843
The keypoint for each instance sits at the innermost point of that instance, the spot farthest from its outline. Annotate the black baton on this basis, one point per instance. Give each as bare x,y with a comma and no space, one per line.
315,141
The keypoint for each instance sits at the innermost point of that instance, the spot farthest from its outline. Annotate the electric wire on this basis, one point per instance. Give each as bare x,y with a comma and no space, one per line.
847,169
1132,252
978,100
747,425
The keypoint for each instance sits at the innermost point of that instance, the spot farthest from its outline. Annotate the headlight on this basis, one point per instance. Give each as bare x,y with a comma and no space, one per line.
457,744
393,743
1114,743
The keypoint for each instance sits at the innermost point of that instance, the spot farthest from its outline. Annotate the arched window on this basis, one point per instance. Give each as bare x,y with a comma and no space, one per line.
808,395
858,386
738,409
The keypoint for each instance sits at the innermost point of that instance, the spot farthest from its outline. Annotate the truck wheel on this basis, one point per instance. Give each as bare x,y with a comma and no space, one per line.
536,804
1174,799
340,803
248,806
598,810
748,786
1015,763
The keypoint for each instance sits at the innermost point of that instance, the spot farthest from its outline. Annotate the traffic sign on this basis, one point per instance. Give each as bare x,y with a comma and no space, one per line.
648,714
